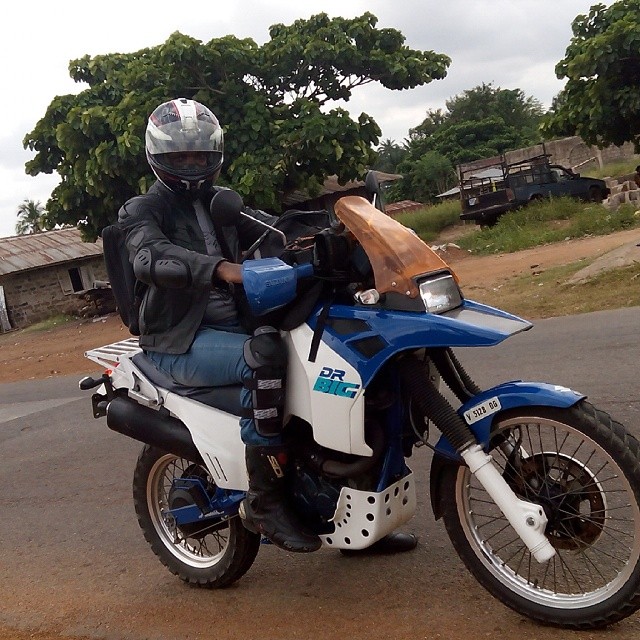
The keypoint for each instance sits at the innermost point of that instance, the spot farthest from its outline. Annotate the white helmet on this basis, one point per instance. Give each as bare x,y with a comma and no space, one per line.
184,144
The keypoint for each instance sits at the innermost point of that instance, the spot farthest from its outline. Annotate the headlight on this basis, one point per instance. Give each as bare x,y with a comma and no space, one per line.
440,294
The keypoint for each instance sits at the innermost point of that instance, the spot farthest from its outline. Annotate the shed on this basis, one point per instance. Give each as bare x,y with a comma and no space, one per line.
47,273
402,206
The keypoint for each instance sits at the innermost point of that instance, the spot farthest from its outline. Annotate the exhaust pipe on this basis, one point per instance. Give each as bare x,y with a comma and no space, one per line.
150,426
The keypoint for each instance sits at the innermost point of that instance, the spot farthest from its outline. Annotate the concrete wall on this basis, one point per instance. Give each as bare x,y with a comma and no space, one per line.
570,152
38,294
574,153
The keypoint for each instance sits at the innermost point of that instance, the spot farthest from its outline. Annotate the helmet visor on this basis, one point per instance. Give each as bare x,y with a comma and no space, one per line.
186,164
172,137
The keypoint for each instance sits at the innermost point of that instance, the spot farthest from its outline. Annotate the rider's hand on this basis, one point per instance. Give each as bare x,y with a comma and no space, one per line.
228,272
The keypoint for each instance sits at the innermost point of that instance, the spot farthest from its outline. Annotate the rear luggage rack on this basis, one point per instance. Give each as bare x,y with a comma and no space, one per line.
112,354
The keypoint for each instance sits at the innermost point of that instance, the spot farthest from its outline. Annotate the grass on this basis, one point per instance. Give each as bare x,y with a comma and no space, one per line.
539,223
622,168
545,294
49,323
549,221
548,294
430,221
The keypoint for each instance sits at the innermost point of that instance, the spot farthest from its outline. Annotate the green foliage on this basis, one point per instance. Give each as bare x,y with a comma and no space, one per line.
48,324
429,222
479,123
280,134
390,155
32,218
482,120
601,99
616,169
549,221
425,177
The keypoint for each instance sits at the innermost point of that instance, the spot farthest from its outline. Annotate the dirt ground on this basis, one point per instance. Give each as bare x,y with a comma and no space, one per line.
26,355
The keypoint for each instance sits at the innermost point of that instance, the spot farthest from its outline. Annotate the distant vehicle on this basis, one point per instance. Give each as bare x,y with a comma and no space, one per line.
486,195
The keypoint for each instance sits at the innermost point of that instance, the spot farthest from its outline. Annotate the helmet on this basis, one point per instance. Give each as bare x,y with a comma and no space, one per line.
184,144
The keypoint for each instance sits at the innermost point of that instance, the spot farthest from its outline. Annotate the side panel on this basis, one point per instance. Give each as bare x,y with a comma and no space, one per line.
327,393
480,411
217,436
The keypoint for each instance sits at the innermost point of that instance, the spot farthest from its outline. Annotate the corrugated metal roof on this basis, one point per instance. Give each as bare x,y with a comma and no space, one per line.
493,174
331,185
20,253
401,206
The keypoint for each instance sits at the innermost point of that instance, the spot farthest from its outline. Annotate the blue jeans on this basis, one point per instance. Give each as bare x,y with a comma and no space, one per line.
215,359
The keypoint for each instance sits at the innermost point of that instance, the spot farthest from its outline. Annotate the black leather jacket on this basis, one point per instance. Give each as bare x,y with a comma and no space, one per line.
165,224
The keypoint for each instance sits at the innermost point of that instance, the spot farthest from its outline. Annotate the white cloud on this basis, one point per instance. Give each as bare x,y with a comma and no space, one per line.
512,43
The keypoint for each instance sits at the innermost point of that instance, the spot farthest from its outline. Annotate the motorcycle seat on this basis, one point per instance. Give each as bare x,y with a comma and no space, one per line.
226,398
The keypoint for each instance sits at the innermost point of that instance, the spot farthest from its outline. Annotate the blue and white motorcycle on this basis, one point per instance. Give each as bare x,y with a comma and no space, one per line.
539,490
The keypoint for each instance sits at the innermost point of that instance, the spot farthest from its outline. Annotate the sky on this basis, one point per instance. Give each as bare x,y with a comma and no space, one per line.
510,43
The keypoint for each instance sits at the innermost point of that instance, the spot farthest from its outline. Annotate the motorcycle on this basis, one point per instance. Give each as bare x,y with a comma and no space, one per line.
539,490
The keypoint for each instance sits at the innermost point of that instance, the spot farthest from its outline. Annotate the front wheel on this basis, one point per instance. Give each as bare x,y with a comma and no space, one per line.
213,554
584,470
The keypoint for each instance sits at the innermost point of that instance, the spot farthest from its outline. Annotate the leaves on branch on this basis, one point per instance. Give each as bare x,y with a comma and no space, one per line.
276,103
601,99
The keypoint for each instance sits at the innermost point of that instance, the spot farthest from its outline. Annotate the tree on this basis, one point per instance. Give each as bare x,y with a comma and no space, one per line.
522,113
390,155
274,101
479,123
425,177
32,218
601,99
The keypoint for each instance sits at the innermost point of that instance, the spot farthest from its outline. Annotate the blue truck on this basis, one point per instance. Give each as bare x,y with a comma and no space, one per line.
502,187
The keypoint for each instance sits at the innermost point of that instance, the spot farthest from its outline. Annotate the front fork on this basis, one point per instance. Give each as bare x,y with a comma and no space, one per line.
528,519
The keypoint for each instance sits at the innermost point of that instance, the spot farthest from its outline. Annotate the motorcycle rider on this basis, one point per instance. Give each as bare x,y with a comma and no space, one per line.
189,322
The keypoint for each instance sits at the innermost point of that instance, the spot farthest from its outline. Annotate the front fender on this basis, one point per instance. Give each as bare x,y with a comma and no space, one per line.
479,413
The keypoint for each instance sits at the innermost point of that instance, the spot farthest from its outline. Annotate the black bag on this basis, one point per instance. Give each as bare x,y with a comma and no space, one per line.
127,290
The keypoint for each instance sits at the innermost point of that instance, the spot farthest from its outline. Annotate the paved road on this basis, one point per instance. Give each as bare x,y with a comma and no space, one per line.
74,562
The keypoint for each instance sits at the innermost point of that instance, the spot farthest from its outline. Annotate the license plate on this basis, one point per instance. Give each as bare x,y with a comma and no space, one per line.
482,410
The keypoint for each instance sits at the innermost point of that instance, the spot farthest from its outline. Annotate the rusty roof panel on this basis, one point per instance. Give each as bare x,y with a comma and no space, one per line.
331,185
33,251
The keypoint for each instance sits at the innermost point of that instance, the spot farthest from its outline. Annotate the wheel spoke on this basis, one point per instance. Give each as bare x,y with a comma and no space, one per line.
197,547
593,515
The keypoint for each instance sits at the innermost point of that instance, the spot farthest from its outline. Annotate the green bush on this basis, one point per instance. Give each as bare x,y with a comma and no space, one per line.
431,220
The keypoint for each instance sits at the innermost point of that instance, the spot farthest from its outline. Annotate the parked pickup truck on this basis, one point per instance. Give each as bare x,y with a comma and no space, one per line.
496,189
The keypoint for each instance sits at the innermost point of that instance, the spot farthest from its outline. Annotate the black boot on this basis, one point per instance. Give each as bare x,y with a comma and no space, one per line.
265,509
392,543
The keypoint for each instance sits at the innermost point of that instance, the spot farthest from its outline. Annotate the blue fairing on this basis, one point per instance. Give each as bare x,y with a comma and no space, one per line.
510,396
471,325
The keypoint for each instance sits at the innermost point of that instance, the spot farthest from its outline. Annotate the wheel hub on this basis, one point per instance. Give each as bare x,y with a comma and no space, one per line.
181,495
569,494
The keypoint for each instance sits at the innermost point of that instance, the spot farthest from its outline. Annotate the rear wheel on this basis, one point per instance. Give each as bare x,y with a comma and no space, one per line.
584,470
211,554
